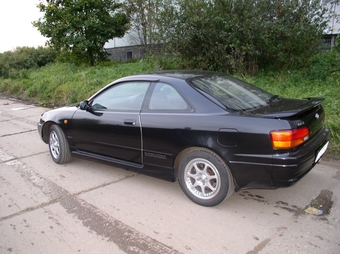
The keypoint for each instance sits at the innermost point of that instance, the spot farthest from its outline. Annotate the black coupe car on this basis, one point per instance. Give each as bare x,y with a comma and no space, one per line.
214,133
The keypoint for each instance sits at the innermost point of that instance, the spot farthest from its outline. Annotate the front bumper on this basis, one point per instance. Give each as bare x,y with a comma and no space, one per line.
40,126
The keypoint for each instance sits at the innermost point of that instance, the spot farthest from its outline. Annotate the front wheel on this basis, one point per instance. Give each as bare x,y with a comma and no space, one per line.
58,145
205,178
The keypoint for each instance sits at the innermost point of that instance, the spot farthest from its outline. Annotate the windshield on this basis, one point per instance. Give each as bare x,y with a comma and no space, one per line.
231,92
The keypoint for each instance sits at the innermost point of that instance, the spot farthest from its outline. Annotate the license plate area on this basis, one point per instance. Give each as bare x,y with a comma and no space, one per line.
321,152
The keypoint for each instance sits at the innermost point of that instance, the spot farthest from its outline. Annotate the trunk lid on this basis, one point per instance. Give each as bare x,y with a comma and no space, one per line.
300,112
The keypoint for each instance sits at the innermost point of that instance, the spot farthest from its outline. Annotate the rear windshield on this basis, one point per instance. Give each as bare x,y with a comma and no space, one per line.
231,92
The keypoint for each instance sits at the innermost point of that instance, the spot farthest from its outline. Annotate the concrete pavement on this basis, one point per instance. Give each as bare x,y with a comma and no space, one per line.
86,207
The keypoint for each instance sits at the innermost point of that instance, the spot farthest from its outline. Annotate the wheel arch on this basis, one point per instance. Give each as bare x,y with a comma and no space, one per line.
179,158
220,174
46,130
189,149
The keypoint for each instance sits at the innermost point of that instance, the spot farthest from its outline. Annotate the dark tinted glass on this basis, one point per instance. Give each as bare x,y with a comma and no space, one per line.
232,93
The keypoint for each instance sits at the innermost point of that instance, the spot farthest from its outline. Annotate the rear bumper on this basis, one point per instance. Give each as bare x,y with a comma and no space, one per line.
280,169
288,168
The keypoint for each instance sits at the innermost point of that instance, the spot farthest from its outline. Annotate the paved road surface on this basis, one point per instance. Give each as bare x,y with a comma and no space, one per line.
86,207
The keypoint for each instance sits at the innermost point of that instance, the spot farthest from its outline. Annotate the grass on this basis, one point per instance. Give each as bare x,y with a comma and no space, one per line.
319,80
62,84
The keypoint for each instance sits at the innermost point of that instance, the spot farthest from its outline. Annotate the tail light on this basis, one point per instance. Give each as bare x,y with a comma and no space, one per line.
285,139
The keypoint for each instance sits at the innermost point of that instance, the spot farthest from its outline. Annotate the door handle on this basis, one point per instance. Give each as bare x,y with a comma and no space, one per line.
129,122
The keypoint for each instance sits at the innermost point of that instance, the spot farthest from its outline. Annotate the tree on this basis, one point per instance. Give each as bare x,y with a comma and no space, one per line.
80,28
241,35
141,14
146,20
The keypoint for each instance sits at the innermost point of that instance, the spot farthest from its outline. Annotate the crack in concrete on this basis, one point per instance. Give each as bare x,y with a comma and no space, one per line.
103,185
29,209
17,133
4,158
15,117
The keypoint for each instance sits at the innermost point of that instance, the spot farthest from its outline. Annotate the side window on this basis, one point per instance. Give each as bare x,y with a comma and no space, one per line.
124,96
165,97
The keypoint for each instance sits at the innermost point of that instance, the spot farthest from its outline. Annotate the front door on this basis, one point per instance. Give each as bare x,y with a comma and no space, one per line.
112,126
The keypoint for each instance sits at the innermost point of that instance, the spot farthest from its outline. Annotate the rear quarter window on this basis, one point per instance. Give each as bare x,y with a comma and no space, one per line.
232,93
166,97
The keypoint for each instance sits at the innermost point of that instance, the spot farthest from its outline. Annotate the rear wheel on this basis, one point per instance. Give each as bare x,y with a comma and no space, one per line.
58,145
205,178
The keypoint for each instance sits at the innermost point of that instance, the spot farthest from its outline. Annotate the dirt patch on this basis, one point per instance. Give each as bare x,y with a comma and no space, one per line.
29,101
322,204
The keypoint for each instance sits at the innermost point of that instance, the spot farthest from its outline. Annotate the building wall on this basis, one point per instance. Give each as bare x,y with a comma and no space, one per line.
334,24
127,53
328,42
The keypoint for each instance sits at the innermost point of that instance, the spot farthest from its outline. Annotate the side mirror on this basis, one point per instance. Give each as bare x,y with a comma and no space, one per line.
84,105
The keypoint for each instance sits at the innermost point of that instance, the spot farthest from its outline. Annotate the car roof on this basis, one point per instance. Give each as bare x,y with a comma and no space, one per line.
176,74
184,74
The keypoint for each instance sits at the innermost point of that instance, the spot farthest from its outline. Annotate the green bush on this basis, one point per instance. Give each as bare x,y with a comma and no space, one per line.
323,65
244,36
24,58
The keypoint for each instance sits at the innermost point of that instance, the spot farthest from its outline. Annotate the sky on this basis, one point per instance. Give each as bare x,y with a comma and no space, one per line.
16,29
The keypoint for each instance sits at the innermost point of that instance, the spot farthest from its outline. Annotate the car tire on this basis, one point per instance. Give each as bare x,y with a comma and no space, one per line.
58,145
205,178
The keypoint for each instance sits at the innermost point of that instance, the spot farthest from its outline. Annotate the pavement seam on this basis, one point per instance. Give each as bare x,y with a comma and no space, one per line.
18,158
57,200
17,133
